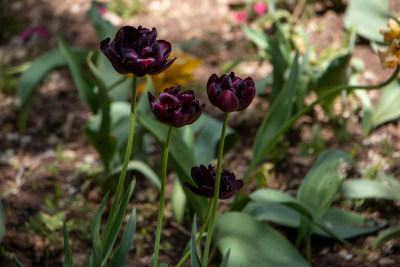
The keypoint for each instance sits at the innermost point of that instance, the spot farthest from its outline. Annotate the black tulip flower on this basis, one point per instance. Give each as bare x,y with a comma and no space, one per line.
175,108
137,51
204,178
230,93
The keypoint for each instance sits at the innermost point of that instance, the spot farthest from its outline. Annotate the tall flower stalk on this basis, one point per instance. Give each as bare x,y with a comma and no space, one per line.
216,190
162,195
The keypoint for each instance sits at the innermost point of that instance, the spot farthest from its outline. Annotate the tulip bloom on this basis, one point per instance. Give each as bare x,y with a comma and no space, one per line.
230,93
204,178
137,51
175,108
259,8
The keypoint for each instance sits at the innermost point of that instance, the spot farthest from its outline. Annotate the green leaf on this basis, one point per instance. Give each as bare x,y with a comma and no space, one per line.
262,83
347,224
103,27
361,188
143,168
178,200
18,263
256,36
67,249
387,108
391,233
38,70
336,74
181,158
208,133
275,196
279,112
84,86
119,257
322,182
2,222
368,17
108,244
279,65
194,258
225,261
253,243
273,212
95,259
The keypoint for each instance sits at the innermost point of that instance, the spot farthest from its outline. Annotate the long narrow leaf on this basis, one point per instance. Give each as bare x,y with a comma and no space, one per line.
39,69
361,188
95,259
275,118
119,257
389,234
84,86
108,244
194,258
67,249
225,261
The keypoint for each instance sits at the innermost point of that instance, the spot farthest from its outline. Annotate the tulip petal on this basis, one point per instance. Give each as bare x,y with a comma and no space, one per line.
227,101
164,65
165,48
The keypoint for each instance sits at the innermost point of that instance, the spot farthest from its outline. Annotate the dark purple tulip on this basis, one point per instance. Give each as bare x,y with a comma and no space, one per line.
230,93
174,108
137,51
205,180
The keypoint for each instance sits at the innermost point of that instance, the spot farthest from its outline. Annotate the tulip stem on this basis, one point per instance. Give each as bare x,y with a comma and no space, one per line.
216,190
203,228
162,195
121,179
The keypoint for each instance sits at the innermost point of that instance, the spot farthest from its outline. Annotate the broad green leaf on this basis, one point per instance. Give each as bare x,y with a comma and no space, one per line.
361,188
178,201
322,182
180,156
256,36
368,17
347,224
83,84
225,261
391,233
2,221
108,244
261,84
96,257
119,257
387,108
208,132
343,223
194,258
275,196
253,243
67,249
39,69
277,115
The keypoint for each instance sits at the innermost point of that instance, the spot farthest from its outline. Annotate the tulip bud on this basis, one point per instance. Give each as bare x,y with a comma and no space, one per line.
175,108
230,93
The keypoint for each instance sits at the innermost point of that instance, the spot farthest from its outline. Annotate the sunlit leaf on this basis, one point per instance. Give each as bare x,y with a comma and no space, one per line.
362,188
368,17
256,36
178,201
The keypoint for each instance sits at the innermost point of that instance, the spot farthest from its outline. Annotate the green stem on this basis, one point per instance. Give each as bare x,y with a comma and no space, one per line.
306,109
202,230
116,83
124,166
162,195
216,191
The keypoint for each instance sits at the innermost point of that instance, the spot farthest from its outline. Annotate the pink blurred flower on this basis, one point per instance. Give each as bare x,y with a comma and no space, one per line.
260,8
27,32
102,10
240,17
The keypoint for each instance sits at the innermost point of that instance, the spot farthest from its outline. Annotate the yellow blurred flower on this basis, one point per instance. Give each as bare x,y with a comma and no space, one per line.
390,56
179,73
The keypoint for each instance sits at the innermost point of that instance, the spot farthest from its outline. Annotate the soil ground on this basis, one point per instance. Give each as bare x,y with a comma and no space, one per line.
49,168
